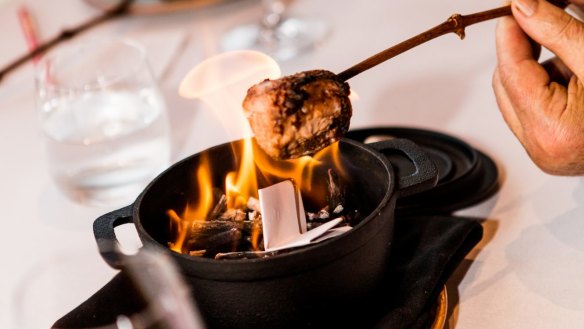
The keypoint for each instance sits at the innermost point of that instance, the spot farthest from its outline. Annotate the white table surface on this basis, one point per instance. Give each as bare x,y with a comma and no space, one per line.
527,272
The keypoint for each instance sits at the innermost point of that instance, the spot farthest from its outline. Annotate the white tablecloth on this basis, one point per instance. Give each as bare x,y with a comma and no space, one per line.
527,272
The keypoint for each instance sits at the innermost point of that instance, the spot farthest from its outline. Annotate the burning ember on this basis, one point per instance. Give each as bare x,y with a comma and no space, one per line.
225,222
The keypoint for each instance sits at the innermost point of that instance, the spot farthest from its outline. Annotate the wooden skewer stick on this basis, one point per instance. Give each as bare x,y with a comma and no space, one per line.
456,23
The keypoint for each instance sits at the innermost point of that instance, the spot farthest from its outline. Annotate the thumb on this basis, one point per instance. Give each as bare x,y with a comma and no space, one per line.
553,28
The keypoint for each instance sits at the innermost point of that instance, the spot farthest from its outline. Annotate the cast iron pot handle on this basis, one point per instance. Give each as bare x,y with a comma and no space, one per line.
424,177
105,236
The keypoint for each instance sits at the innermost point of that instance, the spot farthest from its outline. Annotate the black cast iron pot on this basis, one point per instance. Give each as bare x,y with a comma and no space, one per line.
325,284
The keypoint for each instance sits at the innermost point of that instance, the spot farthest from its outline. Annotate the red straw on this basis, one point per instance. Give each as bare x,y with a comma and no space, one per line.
28,28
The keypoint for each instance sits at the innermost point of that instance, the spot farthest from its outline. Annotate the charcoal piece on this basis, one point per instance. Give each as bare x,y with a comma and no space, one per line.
234,215
246,254
202,232
223,242
336,192
219,208
197,253
322,216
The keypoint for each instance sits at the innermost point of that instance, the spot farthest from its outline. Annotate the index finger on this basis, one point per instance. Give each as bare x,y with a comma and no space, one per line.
524,79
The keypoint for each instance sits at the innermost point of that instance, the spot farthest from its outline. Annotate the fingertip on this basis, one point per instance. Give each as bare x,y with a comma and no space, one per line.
525,7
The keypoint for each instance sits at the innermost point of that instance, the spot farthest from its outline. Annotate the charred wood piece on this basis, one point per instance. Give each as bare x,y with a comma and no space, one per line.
246,254
321,216
197,253
223,242
219,208
202,233
233,215
336,192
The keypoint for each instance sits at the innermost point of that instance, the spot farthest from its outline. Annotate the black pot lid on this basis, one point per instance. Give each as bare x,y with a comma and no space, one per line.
466,176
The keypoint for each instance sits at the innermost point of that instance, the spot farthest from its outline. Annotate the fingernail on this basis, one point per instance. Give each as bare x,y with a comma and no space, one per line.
526,7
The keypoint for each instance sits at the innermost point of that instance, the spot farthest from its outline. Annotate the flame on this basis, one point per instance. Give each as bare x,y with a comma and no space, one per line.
242,184
353,96
196,209
222,82
221,72
300,170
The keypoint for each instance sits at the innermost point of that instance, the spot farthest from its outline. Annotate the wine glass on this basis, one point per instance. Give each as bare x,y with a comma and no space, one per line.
278,36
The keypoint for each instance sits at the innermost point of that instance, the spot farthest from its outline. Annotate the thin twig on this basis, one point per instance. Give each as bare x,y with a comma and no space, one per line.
456,23
117,11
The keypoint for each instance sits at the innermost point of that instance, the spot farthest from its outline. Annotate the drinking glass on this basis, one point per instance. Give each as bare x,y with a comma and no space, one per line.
104,120
275,34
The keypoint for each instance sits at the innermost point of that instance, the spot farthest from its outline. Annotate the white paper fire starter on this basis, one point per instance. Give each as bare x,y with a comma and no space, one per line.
284,220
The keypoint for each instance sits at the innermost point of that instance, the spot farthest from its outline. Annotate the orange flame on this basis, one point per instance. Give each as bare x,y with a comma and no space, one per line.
242,184
197,209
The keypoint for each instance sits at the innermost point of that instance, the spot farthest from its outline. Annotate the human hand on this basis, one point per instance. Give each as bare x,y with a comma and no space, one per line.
543,104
